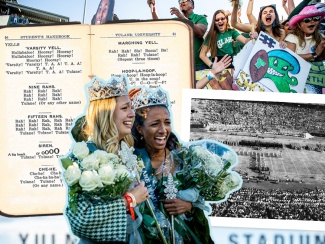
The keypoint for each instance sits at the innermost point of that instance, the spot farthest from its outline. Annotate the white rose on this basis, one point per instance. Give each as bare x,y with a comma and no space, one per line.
90,162
200,152
105,157
72,174
120,170
90,180
214,164
230,157
80,150
107,174
231,182
113,158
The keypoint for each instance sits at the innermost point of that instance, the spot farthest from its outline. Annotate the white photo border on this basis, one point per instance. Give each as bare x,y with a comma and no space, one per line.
188,94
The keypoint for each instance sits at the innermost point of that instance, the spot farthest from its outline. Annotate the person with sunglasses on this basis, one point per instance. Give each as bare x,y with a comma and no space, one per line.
305,39
185,12
219,41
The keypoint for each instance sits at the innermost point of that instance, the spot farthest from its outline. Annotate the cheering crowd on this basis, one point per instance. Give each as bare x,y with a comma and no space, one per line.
300,32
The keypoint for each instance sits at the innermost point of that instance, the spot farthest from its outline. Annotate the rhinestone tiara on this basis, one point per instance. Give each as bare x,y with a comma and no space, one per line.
150,97
114,87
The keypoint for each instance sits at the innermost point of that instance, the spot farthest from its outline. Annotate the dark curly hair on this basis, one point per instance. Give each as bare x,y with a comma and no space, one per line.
140,117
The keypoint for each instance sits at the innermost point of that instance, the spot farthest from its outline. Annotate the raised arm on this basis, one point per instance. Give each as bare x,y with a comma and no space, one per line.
234,23
291,6
249,12
152,5
199,28
284,5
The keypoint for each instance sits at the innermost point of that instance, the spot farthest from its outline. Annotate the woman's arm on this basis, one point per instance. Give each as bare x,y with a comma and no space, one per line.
308,56
249,12
282,35
291,6
217,67
284,5
242,39
152,5
291,46
234,23
204,57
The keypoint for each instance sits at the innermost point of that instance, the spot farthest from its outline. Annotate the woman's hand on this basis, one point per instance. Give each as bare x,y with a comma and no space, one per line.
217,67
177,206
175,11
151,3
253,35
140,193
283,44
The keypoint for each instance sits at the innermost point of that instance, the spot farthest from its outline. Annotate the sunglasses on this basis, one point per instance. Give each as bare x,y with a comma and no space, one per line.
271,5
315,18
184,1
222,19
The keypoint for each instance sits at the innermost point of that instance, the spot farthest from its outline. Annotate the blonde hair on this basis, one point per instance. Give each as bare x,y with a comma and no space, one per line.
100,126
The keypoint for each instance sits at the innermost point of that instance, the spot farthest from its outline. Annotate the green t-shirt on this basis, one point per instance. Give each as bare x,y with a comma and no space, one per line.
224,42
198,19
238,45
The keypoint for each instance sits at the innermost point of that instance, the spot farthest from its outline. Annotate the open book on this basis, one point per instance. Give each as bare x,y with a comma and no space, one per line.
43,70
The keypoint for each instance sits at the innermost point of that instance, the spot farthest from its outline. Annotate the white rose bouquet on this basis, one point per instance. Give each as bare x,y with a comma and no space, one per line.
208,170
98,174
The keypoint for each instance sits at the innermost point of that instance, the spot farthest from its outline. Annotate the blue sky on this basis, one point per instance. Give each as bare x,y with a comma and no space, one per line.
138,9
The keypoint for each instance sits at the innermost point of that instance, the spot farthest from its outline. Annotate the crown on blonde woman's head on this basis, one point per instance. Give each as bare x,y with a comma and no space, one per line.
114,87
147,97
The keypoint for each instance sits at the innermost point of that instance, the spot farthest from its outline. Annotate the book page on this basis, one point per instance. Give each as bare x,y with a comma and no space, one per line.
43,71
151,53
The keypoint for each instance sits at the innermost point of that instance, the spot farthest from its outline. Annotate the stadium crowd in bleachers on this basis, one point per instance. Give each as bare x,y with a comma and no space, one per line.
273,204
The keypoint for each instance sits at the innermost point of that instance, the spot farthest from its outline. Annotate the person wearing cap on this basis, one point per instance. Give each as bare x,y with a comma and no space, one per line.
305,39
185,12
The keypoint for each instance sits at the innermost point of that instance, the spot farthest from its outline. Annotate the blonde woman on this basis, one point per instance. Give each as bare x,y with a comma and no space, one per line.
108,121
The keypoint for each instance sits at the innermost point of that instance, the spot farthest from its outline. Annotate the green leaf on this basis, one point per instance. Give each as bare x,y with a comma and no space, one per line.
66,162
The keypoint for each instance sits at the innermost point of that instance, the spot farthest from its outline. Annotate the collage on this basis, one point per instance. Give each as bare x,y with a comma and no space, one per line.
162,121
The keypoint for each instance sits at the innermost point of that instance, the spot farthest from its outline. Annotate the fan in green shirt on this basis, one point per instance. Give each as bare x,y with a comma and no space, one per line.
185,12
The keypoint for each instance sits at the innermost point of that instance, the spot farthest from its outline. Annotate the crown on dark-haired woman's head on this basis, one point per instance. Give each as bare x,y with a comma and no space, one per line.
147,97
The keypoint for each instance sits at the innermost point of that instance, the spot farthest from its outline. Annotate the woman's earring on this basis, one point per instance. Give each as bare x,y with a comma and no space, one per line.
263,26
273,24
141,138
